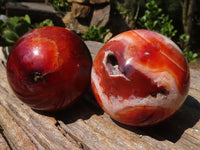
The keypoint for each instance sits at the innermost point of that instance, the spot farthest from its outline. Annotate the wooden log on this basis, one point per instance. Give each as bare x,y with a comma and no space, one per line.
85,125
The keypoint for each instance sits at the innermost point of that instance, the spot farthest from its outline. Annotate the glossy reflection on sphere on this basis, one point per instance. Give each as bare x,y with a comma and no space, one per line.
140,78
49,68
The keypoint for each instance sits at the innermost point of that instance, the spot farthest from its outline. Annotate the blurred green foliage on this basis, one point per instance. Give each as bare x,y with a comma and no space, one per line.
155,20
183,43
61,5
95,34
190,56
14,27
129,9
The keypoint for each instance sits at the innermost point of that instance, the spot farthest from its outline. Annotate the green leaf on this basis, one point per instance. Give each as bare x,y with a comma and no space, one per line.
10,36
12,22
46,22
155,23
95,34
27,19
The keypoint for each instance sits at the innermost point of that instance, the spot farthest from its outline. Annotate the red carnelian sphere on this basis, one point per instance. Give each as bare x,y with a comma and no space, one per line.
140,78
49,68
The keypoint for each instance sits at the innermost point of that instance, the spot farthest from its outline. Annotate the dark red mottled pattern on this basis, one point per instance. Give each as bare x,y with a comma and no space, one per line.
63,60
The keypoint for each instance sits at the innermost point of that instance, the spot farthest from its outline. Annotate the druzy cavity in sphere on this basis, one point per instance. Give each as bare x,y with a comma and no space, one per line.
140,78
49,68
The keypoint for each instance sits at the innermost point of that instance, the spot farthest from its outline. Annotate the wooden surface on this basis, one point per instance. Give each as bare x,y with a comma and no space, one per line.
86,126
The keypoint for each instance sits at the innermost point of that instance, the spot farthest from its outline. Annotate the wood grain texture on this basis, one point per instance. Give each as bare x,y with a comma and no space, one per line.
86,126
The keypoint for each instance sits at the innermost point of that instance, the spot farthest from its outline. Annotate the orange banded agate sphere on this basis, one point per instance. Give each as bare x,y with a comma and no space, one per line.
140,78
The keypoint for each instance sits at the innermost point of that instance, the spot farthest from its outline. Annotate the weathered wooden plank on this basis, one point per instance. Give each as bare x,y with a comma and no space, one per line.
15,135
86,126
35,130
94,47
3,143
97,134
